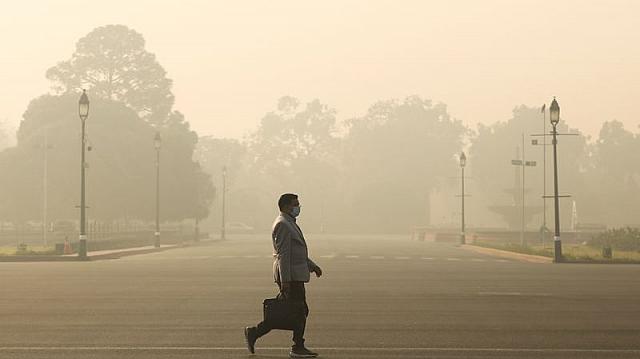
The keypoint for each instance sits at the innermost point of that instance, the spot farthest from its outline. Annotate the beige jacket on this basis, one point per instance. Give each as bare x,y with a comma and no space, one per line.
292,262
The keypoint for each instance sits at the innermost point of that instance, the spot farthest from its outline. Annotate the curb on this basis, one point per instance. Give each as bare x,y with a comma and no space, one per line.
43,258
126,253
96,257
530,258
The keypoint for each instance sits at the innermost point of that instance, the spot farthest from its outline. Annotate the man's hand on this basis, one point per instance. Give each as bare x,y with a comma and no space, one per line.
318,271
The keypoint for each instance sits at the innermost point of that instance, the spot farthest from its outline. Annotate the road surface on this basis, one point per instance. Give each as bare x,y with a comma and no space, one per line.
380,297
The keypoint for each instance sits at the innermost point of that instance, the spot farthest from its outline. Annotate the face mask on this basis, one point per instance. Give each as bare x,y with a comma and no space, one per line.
295,212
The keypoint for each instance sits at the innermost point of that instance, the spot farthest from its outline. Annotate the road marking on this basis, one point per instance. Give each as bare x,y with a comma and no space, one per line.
427,258
515,294
478,260
402,258
227,256
500,260
453,259
351,349
330,256
377,257
352,256
250,256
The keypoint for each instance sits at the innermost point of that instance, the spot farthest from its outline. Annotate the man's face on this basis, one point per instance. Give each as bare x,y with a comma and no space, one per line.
294,203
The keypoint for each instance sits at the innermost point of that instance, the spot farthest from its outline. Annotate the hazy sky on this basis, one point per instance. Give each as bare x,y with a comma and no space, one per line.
231,60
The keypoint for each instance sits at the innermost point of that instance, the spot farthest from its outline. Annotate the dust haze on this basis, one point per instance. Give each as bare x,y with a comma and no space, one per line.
361,108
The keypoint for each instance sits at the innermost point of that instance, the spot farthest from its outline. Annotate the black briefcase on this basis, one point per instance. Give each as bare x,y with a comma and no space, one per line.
281,313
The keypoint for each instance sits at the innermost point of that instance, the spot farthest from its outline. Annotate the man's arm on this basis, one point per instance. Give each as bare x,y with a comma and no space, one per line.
283,248
314,268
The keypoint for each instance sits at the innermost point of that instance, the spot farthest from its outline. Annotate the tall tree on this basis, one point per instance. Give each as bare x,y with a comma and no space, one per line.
112,62
394,157
4,135
496,145
121,165
295,149
613,181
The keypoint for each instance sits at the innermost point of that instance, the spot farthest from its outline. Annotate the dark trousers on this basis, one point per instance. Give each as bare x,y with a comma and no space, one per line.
295,292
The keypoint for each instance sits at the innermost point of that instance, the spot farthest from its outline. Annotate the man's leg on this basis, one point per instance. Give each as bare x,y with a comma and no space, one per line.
299,350
262,328
252,334
297,294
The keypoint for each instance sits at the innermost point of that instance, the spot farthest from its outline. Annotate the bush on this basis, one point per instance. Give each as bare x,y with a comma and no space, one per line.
623,239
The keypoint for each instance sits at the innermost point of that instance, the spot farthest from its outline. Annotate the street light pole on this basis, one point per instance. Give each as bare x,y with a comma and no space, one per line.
463,162
544,176
157,141
224,195
522,162
554,115
523,241
45,194
83,112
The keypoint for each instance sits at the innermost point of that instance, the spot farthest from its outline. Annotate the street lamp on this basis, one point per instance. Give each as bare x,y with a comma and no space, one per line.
83,112
157,141
224,195
463,162
554,116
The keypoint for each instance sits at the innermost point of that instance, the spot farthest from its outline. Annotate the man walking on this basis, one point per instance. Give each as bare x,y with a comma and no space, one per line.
291,269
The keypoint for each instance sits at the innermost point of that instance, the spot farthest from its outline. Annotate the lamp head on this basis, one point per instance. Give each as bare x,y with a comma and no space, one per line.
554,112
83,105
157,141
463,160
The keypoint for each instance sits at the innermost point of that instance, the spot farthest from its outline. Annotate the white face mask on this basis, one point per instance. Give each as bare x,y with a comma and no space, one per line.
295,212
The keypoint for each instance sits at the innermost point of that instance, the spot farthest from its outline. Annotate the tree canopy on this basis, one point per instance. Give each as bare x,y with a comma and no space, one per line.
121,165
131,99
112,63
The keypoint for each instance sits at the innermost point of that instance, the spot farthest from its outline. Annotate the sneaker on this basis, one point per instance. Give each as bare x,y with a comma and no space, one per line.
301,352
250,337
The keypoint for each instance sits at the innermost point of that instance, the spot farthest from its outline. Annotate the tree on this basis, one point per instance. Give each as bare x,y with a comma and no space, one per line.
492,150
112,62
121,172
188,191
295,149
4,135
613,181
130,99
394,157
214,154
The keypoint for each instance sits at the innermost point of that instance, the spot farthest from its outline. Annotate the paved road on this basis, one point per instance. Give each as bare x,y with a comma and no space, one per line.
380,297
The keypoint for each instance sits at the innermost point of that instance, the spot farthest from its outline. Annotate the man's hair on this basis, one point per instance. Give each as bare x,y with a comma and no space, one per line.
286,199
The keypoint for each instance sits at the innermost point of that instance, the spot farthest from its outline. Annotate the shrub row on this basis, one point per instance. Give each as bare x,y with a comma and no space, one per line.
623,239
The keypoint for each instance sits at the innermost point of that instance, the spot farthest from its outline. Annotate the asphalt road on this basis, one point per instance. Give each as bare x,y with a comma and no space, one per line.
380,297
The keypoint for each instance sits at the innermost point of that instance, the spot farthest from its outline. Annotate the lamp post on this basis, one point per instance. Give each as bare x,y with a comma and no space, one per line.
157,141
523,163
554,116
544,176
463,162
83,112
544,145
45,182
224,195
